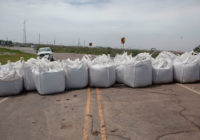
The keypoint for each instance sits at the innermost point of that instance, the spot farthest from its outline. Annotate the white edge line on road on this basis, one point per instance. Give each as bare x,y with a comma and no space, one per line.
4,99
188,88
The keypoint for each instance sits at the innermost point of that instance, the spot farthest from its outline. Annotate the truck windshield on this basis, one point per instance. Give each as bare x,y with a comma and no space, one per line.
44,49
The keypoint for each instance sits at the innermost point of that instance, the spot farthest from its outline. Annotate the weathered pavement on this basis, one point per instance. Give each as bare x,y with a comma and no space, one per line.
163,112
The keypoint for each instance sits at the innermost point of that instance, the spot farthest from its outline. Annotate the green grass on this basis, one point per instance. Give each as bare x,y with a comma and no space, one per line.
93,50
13,55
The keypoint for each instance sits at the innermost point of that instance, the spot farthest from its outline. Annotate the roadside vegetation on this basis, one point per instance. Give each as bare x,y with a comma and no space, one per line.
13,55
95,50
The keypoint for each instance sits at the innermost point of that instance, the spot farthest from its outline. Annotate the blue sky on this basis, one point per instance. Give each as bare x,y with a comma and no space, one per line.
161,24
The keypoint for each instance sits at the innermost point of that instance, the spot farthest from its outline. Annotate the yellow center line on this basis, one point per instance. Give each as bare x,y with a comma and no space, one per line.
4,99
102,123
87,112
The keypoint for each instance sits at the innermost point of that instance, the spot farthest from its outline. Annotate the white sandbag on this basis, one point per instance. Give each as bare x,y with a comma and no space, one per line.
102,72
27,73
186,68
11,83
102,75
167,55
49,78
76,74
162,70
138,72
120,60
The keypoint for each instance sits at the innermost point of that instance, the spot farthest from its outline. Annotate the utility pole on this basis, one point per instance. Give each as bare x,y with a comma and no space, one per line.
78,42
39,39
84,43
24,32
54,42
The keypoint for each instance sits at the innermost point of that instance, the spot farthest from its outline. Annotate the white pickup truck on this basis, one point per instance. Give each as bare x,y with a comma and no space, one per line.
47,52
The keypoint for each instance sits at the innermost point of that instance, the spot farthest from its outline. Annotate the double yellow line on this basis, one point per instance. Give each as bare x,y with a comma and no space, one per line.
87,113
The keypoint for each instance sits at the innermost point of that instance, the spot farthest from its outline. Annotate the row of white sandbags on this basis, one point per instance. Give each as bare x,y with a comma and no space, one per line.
143,70
53,77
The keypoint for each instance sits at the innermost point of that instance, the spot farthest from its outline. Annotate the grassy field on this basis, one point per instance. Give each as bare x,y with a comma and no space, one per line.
13,55
94,50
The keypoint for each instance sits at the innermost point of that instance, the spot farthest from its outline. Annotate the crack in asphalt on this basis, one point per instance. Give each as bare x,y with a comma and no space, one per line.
172,133
184,116
181,106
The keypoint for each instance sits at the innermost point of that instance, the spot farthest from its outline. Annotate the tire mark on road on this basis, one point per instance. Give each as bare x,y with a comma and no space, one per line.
102,123
87,113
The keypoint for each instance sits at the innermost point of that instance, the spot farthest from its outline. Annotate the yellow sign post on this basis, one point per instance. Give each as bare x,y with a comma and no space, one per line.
90,44
123,40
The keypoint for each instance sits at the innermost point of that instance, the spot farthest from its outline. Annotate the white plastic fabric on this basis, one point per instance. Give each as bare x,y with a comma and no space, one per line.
11,83
138,72
27,73
167,55
186,68
76,74
49,78
163,68
102,72
120,60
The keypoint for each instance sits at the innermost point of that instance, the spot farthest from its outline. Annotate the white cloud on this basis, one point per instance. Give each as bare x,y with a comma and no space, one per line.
169,24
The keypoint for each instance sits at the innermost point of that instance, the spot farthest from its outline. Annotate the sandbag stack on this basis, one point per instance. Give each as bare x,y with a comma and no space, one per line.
138,71
49,77
76,74
27,73
120,60
163,68
11,82
186,68
102,72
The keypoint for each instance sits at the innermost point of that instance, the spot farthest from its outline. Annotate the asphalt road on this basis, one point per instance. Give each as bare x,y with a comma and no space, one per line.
161,112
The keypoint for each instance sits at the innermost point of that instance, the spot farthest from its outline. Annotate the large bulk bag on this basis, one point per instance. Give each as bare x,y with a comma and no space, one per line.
186,68
27,73
120,73
50,82
29,83
120,60
102,72
138,73
76,74
162,70
102,75
11,83
48,79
